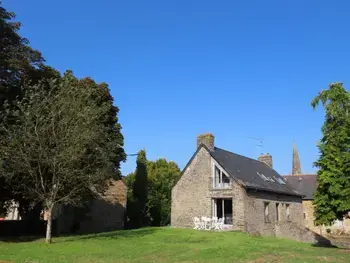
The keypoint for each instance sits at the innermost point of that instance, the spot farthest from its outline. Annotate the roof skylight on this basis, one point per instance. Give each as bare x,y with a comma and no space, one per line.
281,181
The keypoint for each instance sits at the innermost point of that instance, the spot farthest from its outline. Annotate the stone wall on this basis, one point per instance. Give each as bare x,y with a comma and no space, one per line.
298,232
255,222
341,227
105,213
191,195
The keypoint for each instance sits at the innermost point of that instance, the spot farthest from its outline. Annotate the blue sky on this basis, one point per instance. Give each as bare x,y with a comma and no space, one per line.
237,69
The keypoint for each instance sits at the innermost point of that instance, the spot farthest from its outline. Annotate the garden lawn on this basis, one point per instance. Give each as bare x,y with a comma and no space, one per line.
168,245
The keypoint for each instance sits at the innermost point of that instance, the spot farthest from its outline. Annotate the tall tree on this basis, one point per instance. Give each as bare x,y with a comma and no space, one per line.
137,211
19,64
58,151
332,197
17,59
162,176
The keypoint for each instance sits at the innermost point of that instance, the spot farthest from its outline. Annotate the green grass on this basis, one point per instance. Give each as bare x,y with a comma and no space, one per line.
169,245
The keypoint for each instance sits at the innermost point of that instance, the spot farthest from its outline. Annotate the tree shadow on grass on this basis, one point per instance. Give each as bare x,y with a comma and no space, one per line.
113,234
19,239
327,243
16,231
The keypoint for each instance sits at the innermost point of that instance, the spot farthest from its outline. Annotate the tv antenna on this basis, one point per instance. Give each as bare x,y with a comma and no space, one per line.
260,141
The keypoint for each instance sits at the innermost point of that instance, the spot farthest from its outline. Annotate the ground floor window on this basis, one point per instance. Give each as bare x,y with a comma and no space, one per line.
222,207
288,212
277,212
266,212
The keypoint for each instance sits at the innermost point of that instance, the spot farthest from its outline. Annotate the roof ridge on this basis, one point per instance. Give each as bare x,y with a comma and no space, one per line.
299,175
249,158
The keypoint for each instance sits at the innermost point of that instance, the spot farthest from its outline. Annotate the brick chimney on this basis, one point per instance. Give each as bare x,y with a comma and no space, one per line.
207,139
266,158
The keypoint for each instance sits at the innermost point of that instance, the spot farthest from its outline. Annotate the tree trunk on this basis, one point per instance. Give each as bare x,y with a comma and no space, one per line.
49,225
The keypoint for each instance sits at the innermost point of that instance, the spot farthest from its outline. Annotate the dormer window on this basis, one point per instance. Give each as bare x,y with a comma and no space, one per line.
220,179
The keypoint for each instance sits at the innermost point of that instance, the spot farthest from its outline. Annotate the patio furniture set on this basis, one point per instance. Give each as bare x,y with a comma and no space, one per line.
208,223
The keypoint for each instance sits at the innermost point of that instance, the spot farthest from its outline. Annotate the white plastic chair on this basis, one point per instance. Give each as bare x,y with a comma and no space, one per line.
197,223
214,221
220,224
203,222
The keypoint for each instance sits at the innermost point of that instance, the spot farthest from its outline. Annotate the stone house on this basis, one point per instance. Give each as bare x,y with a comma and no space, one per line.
307,184
106,212
248,193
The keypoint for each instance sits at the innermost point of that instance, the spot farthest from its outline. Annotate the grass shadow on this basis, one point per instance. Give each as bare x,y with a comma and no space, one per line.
19,239
113,234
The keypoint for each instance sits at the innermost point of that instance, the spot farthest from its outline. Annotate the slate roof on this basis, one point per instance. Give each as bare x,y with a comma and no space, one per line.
246,170
305,184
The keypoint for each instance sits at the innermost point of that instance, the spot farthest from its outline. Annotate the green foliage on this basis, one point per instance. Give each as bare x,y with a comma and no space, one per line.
332,197
162,176
137,202
17,59
62,144
19,64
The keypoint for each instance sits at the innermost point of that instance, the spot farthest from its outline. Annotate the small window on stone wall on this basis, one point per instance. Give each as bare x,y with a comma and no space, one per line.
277,212
288,212
266,211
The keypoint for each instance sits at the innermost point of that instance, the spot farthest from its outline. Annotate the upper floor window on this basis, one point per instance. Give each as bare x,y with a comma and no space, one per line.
220,179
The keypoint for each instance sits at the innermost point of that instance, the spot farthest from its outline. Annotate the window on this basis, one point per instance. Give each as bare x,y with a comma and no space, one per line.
220,179
288,212
304,215
277,212
225,179
217,179
281,181
222,208
266,211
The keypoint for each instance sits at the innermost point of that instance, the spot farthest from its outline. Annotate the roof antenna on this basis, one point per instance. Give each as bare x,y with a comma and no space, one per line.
260,141
259,144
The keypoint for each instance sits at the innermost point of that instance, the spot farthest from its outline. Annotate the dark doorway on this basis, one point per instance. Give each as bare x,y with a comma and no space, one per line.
222,207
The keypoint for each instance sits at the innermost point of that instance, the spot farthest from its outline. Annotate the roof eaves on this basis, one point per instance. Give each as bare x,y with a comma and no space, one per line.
294,193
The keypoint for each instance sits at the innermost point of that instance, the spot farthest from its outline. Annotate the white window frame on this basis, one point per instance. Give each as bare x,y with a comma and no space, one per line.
219,185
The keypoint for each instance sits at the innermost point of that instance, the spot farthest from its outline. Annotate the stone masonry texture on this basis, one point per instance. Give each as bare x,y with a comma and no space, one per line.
267,159
255,211
105,213
192,197
207,139
309,219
